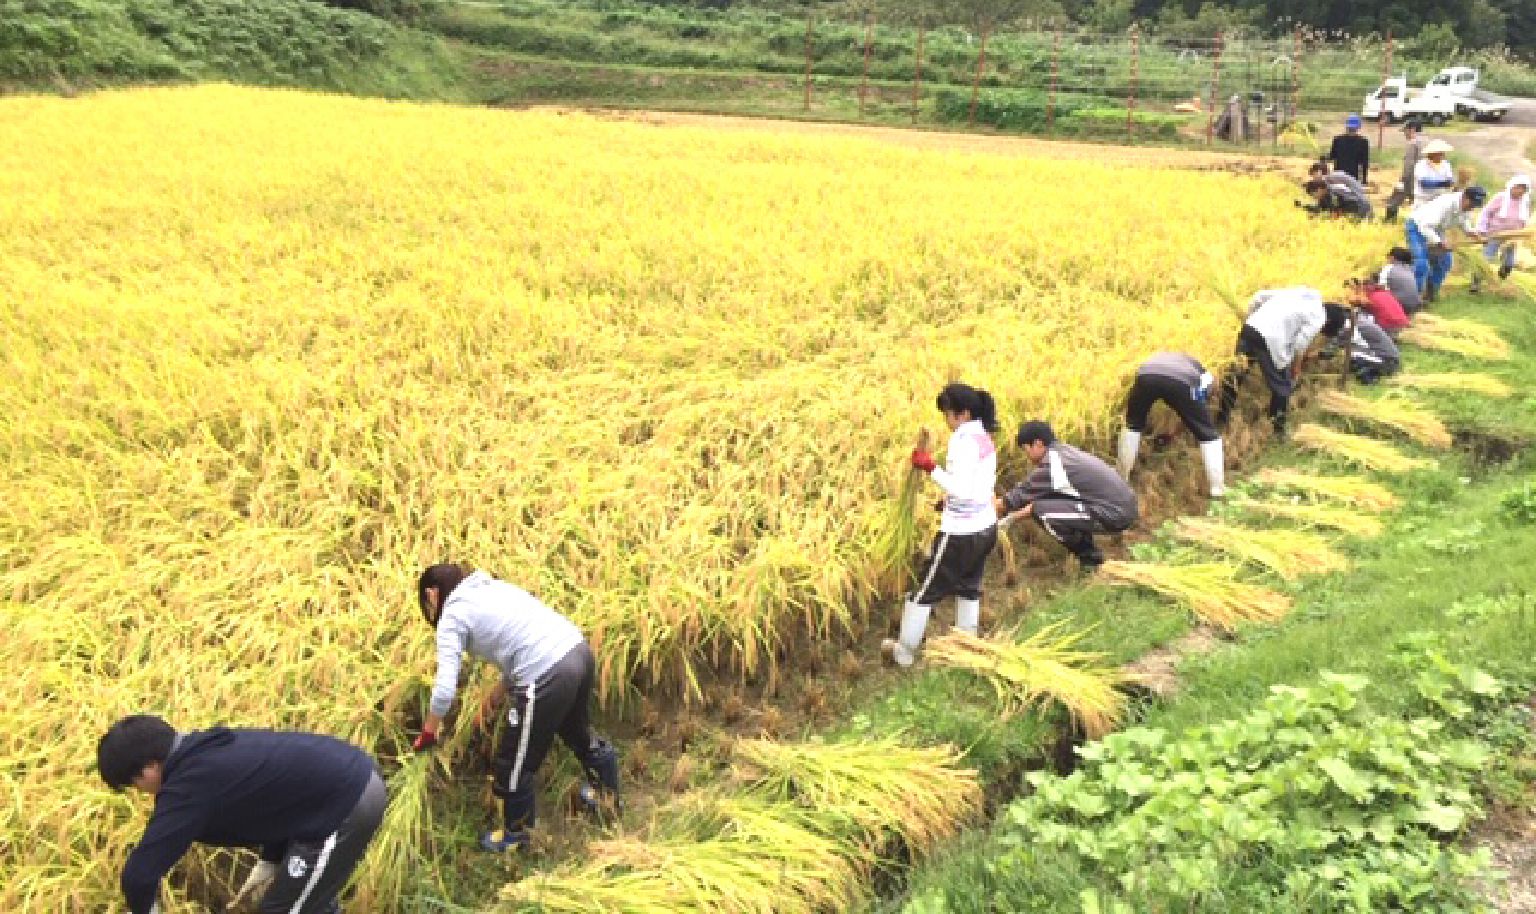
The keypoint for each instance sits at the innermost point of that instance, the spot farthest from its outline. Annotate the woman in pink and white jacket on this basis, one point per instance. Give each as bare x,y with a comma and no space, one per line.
968,530
1509,210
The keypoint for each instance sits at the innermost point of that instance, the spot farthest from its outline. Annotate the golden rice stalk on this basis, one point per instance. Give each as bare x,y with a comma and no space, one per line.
867,790
1345,520
1403,415
764,858
1351,490
1487,385
897,539
1367,452
1458,335
1211,590
1045,667
1288,553
398,859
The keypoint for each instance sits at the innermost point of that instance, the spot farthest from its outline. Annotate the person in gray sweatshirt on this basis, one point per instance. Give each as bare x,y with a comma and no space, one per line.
1071,494
547,669
1397,277
1181,382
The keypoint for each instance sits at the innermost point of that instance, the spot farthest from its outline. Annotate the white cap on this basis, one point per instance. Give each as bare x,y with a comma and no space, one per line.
1434,146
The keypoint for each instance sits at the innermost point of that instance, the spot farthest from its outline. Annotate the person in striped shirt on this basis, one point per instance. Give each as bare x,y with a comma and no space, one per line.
546,668
968,530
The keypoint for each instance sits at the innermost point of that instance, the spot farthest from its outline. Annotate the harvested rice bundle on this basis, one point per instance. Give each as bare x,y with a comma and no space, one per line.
760,859
1288,553
1045,667
1345,520
1367,452
1352,490
867,790
1461,336
1487,385
1211,590
1396,413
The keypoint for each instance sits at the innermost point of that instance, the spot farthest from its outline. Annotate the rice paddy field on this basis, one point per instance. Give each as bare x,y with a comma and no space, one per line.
269,353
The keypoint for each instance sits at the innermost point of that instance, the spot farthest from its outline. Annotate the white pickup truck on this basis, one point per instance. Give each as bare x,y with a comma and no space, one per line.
1460,83
1398,101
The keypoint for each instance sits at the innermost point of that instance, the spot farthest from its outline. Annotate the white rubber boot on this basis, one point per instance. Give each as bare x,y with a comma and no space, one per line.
914,621
968,616
1215,467
1130,443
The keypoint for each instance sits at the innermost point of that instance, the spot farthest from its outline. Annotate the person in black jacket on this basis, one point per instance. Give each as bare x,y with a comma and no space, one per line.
1350,152
1071,494
311,803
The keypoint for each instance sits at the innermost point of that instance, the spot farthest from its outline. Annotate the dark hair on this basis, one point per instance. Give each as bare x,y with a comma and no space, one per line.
132,743
1036,430
957,398
1314,185
1401,255
1337,316
1413,123
1320,167
443,578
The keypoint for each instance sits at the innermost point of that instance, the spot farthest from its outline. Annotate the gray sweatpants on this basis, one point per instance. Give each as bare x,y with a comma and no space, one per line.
313,873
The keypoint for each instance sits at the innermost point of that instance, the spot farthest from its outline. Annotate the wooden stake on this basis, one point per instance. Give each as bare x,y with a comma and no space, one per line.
981,64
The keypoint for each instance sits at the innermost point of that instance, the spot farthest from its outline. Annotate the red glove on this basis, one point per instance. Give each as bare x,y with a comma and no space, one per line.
923,461
425,741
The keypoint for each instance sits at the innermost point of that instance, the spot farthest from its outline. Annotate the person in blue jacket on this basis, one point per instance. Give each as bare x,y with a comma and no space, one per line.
311,803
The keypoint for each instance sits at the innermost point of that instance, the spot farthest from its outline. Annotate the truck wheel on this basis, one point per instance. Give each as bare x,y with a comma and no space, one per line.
1438,120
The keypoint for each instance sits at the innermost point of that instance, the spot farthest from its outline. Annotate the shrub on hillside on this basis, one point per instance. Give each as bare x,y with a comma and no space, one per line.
279,42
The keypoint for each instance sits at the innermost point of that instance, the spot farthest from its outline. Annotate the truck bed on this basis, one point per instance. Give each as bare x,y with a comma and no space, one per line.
1489,98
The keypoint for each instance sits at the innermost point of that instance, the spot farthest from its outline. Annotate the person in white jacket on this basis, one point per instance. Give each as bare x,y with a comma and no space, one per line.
968,530
1281,325
547,668
1427,228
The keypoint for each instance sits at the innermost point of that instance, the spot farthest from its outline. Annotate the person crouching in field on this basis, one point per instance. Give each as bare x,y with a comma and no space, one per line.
1337,193
1180,381
1397,277
547,668
968,529
1372,353
1508,211
311,803
1071,494
1379,302
1281,325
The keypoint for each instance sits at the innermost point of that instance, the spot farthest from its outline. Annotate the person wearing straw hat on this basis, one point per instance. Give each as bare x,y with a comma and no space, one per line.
1508,211
1350,151
1433,175
1070,493
312,804
1427,229
1413,148
1280,327
546,667
968,529
1181,382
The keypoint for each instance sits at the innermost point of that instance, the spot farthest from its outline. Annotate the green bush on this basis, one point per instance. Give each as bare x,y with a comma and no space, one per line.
266,42
1314,801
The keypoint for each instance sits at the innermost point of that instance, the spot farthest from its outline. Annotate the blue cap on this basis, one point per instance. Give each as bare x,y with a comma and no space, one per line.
1352,122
